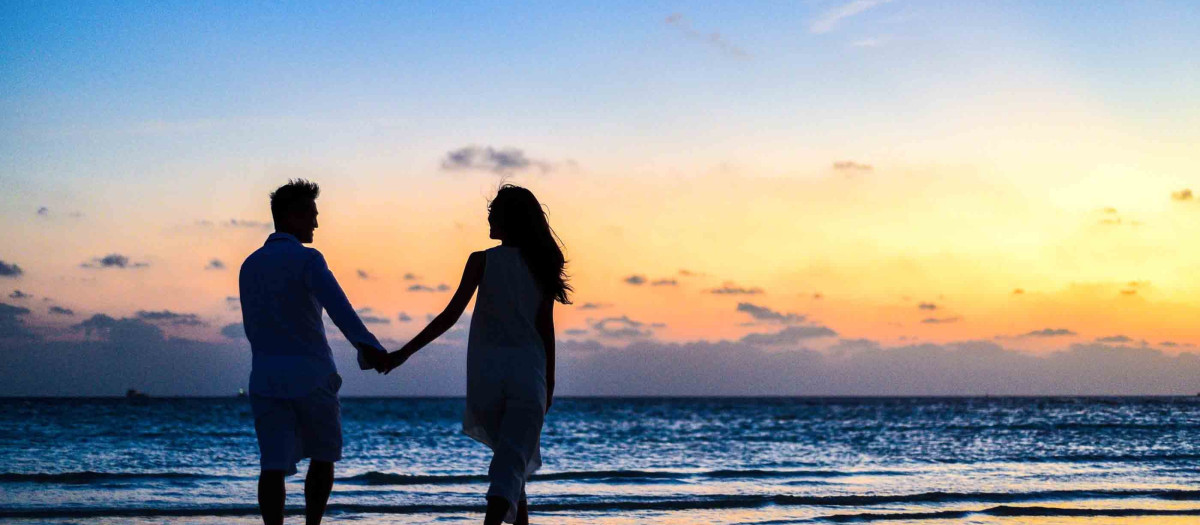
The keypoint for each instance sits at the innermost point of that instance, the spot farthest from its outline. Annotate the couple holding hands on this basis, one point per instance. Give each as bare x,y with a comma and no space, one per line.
285,285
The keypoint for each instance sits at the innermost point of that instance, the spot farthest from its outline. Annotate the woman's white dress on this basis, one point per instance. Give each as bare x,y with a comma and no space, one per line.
506,373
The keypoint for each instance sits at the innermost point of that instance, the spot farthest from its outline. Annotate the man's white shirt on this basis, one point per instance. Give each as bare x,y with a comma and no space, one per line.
284,286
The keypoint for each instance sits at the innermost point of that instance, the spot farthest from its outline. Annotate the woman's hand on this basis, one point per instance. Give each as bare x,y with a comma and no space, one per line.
395,359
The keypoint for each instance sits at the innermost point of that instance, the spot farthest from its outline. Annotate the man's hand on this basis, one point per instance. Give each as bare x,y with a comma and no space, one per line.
375,357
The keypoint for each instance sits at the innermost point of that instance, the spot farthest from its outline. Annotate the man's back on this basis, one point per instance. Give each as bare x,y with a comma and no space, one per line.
284,286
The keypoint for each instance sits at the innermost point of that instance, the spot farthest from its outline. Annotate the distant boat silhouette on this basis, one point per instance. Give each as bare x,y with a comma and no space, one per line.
133,393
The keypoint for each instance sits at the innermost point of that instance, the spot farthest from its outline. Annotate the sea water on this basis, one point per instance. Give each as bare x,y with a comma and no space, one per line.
627,461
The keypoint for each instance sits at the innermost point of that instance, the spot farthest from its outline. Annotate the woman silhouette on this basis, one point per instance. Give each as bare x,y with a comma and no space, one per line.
510,350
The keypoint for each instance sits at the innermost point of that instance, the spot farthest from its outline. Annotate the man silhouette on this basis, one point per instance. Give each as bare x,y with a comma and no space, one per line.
293,381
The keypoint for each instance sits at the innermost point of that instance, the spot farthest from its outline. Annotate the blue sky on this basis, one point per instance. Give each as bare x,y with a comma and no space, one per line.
876,154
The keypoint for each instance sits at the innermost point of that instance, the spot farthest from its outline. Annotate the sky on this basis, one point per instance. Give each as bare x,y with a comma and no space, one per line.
863,197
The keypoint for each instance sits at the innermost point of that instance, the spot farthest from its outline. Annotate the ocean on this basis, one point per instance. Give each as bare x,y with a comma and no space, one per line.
629,461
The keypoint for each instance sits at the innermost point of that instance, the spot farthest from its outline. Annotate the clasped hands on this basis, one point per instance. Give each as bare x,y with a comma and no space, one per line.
381,360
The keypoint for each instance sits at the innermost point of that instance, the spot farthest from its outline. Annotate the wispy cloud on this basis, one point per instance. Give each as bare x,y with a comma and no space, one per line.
17,294
1049,332
829,20
868,42
10,270
501,161
789,335
713,39
169,317
367,316
621,328
733,289
215,264
114,260
58,310
762,313
849,166
1183,195
423,288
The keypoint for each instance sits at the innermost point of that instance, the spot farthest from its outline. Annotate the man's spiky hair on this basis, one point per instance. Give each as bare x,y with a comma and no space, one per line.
296,191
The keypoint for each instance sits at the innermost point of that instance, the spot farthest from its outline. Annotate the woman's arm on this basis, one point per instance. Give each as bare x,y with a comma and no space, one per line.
545,328
471,276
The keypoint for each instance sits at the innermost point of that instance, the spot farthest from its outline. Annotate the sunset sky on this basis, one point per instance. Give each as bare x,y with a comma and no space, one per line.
816,176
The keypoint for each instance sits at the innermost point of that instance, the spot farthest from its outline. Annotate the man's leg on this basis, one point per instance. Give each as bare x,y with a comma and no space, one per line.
271,494
317,486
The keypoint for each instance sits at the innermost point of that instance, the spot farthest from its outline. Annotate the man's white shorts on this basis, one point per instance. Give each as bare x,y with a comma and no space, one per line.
293,429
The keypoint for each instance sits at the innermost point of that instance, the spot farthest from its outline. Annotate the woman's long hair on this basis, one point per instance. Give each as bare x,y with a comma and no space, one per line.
518,215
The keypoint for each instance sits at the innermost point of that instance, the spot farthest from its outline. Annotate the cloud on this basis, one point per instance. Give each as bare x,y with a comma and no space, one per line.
732,289
789,335
171,318
138,358
621,328
43,211
927,306
423,288
636,280
113,260
1114,339
687,273
828,20
868,42
410,277
234,331
1018,291
762,313
215,264
365,315
1182,195
576,331
713,39
17,294
851,166
403,317
501,161
593,306
664,282
11,324
941,320
10,270
58,310
1049,332
249,224
362,274
864,368
124,330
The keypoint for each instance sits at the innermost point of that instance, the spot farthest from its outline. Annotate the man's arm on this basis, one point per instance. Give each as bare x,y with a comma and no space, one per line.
545,328
330,295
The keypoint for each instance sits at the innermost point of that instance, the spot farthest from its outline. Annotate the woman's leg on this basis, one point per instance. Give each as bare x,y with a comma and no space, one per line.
522,512
497,508
516,445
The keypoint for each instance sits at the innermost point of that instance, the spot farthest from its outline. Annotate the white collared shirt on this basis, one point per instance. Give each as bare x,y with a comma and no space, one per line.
284,285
